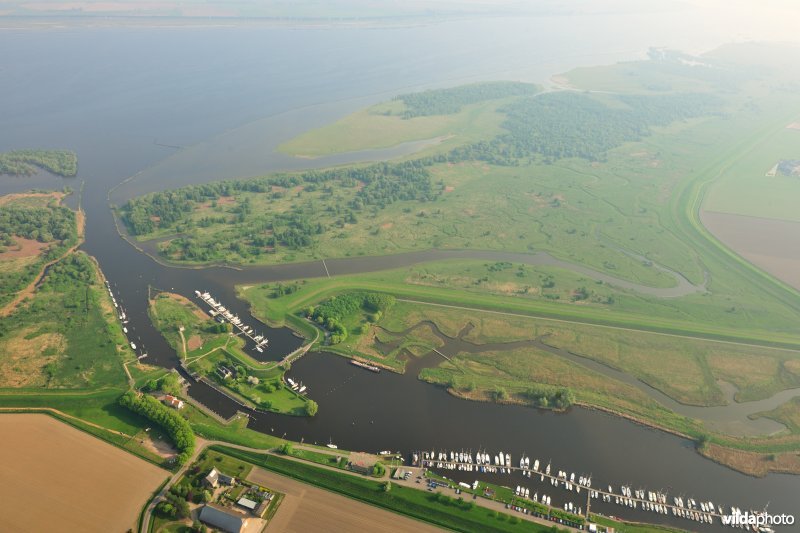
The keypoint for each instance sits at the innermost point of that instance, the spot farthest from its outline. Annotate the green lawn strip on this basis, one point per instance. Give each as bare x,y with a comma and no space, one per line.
224,463
458,516
325,459
628,527
235,432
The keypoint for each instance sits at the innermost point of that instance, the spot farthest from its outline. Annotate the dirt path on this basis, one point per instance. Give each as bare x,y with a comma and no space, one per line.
183,342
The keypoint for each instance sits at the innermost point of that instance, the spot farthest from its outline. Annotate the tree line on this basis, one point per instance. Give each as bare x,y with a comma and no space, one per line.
24,162
176,427
43,224
451,100
331,313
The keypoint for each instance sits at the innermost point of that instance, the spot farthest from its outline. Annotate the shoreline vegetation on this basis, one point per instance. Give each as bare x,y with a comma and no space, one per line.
26,162
376,328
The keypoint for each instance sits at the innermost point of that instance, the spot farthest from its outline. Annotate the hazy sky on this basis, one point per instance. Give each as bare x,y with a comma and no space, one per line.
754,19
738,19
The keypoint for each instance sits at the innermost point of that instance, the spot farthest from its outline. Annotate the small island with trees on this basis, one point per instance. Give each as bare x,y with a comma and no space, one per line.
25,162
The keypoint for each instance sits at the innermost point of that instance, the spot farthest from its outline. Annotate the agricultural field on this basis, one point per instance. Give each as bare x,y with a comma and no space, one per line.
308,508
89,485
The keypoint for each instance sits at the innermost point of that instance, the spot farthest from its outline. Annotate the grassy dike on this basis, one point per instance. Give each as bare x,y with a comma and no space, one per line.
282,311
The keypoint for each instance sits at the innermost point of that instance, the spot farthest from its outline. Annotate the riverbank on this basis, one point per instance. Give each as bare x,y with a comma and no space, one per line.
509,367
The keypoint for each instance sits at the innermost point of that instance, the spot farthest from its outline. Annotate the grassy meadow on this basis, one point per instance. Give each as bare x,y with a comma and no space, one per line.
66,336
382,126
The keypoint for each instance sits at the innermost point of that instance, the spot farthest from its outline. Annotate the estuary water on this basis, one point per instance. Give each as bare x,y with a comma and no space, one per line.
150,108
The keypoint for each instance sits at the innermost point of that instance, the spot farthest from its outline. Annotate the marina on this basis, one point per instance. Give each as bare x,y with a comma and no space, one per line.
222,314
653,501
124,320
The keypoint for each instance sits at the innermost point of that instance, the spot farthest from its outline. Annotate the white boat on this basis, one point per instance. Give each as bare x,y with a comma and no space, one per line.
124,329
332,446
291,382
302,389
259,349
133,346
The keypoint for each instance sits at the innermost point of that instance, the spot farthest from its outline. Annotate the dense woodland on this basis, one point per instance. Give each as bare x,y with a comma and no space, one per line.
24,162
449,101
374,186
43,224
541,128
333,312
55,224
568,124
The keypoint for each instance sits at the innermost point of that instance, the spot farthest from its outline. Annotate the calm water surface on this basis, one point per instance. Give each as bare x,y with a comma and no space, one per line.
227,97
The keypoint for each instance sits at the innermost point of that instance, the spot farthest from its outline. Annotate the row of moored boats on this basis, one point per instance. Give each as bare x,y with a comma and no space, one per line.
222,314
123,318
296,386
647,500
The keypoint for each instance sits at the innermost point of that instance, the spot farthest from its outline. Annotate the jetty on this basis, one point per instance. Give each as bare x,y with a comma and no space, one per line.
655,501
222,314
371,368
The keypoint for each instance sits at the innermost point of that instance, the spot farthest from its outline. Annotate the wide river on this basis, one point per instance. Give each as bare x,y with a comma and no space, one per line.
227,96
